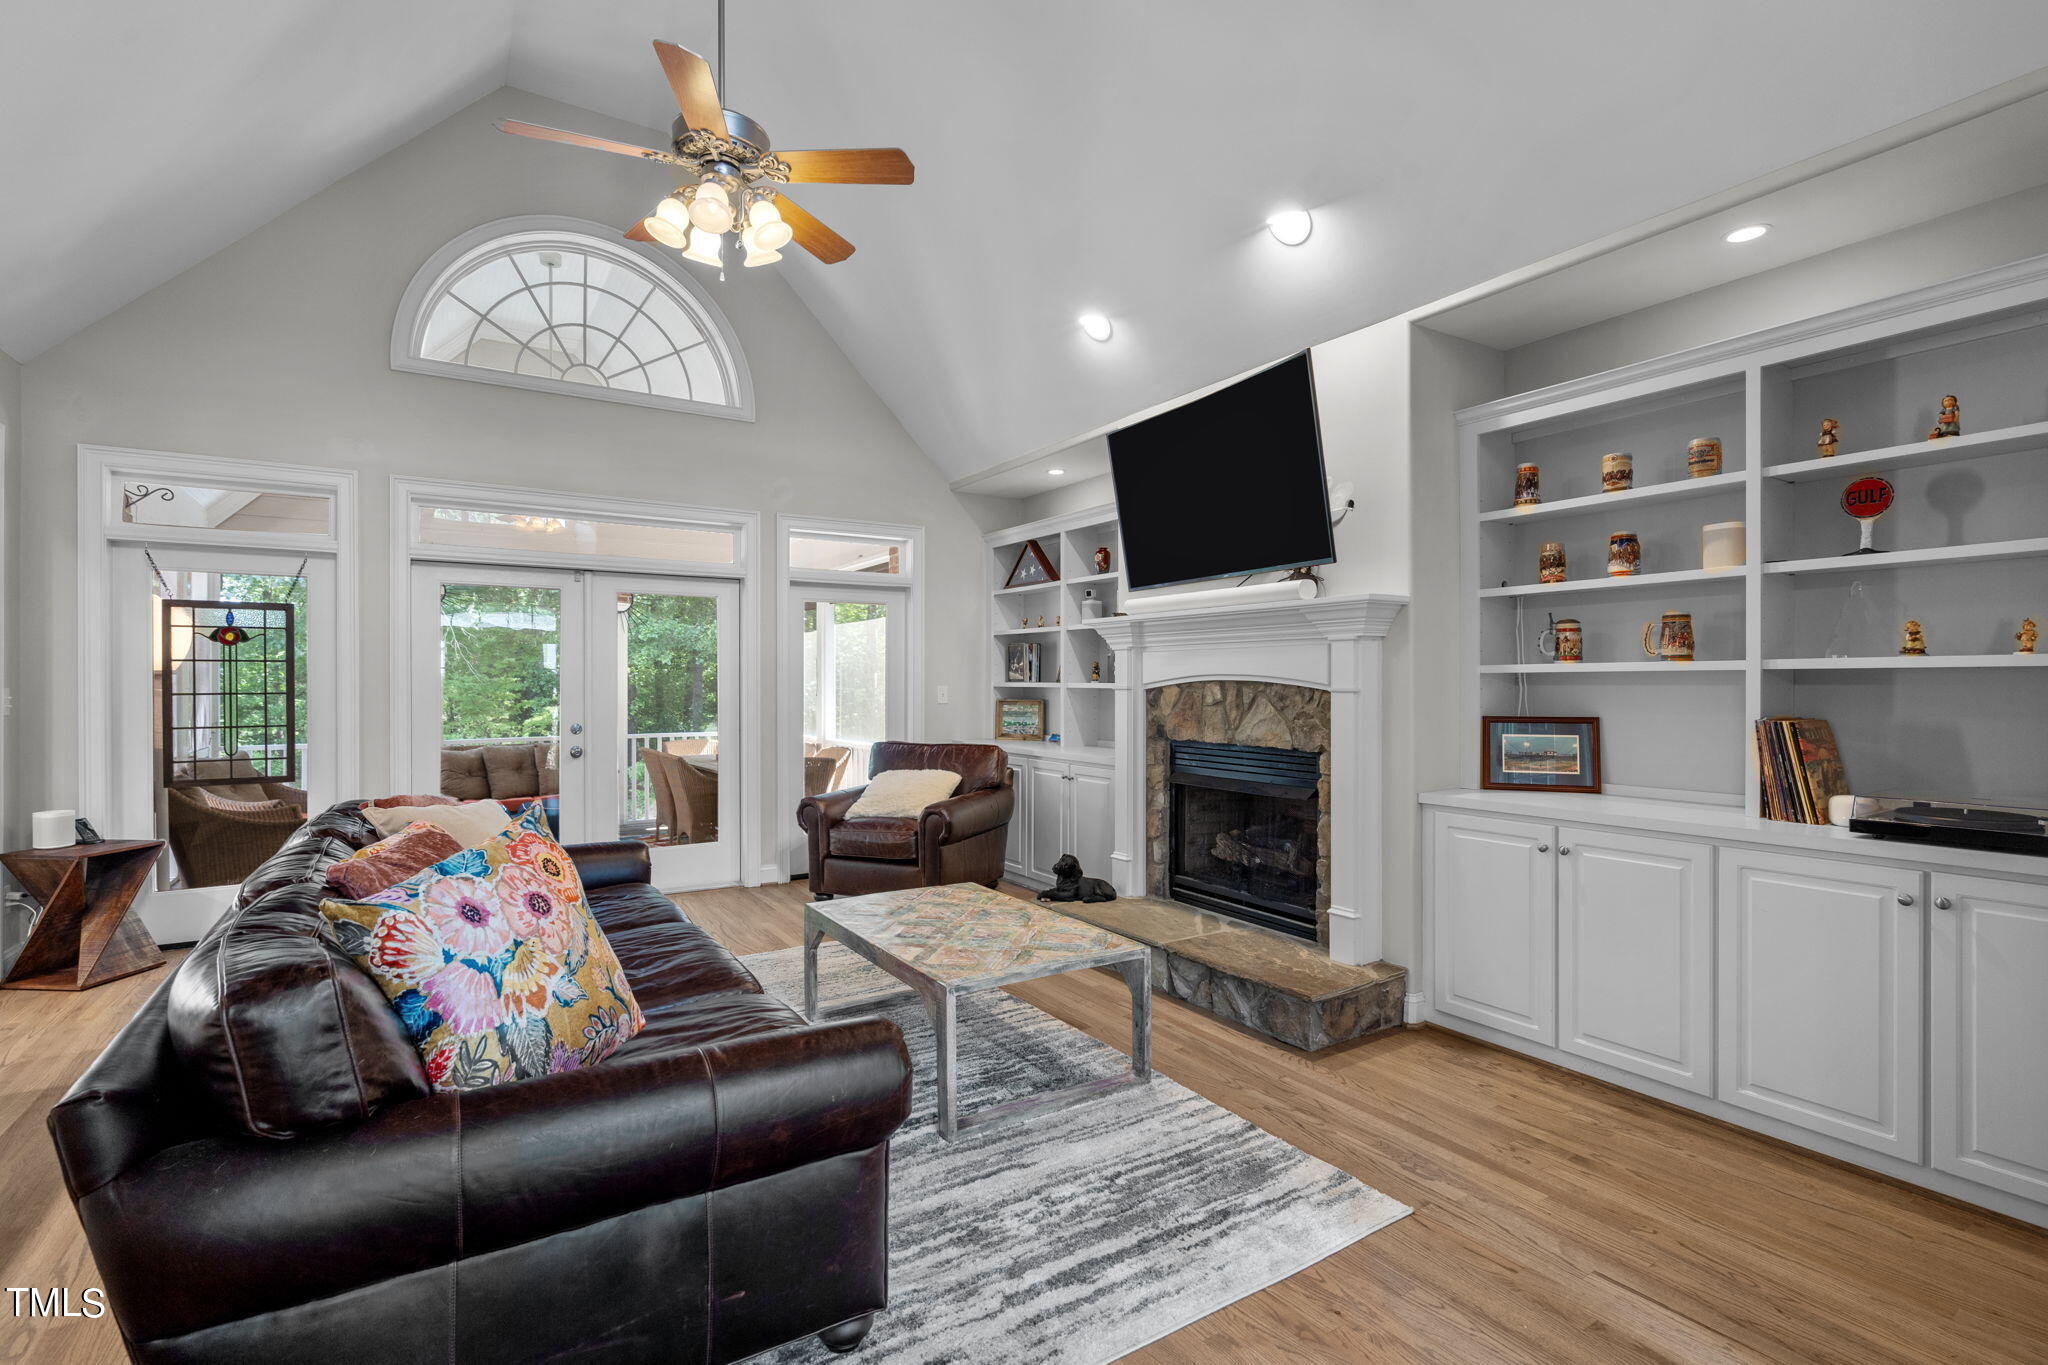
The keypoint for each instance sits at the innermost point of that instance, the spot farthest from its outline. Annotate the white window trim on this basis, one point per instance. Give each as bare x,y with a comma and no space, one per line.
102,470
411,320
757,701
789,677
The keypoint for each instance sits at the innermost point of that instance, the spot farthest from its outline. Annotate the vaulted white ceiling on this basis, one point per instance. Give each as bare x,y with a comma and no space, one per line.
1072,154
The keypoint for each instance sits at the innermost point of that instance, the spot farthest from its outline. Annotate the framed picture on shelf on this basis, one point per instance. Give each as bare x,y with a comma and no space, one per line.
1020,718
1032,566
1020,662
1540,753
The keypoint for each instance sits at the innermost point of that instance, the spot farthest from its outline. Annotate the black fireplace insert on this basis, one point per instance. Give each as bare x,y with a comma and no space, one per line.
1241,832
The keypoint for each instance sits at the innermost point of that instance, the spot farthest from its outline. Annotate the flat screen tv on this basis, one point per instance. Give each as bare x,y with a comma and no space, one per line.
1228,485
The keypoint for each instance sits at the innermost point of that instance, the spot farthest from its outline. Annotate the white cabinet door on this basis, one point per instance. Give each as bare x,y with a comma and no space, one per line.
1017,846
1820,996
1093,810
1988,1032
1493,918
1050,799
1635,971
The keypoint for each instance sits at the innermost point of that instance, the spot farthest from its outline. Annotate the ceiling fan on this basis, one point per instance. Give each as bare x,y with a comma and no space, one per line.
734,173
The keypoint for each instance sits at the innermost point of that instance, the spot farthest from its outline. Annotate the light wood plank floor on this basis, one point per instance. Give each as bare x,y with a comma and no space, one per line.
1557,1219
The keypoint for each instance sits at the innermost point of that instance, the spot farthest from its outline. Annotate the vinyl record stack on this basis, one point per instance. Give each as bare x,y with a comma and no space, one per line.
1798,769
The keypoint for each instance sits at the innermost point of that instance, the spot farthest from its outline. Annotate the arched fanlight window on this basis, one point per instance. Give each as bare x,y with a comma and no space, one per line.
563,306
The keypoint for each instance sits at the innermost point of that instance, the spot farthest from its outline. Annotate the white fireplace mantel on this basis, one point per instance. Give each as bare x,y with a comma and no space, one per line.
1332,643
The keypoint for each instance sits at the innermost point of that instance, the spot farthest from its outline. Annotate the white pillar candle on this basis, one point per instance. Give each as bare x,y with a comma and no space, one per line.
54,828
1723,546
1840,810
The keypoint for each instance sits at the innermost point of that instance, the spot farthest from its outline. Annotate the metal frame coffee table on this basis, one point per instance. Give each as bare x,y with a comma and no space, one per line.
948,941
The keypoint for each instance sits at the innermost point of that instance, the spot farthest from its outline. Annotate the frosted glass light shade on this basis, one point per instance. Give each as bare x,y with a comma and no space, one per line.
711,208
673,210
703,248
757,255
665,230
765,229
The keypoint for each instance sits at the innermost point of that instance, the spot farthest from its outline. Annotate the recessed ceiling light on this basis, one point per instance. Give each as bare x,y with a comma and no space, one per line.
1291,227
1096,326
1748,234
1055,472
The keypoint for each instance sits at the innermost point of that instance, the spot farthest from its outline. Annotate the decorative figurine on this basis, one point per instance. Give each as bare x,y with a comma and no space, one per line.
1070,884
1550,562
1023,623
2028,635
1949,421
1095,671
1526,478
1830,436
1102,559
1624,554
1915,642
1703,456
1041,623
1056,620
1617,472
1866,499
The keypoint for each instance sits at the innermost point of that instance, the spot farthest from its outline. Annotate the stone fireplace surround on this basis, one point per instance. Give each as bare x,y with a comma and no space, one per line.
1330,646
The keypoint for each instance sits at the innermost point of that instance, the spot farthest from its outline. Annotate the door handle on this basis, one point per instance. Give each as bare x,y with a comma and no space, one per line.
576,729
575,751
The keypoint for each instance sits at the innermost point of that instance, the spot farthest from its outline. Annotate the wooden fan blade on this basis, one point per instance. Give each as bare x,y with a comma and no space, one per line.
850,166
696,92
812,235
638,233
582,140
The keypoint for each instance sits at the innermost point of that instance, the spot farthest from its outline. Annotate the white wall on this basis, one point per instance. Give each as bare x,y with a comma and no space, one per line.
1975,238
10,483
277,349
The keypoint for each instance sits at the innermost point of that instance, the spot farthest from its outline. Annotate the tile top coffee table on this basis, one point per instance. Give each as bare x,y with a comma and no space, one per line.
948,941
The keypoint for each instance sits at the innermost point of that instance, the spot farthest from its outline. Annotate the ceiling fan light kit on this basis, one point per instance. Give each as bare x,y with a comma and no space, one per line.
734,174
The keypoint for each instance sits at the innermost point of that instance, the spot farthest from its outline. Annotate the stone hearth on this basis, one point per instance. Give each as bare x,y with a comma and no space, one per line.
1231,711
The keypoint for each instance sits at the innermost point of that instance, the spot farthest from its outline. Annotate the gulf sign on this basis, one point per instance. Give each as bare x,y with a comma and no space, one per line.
1867,497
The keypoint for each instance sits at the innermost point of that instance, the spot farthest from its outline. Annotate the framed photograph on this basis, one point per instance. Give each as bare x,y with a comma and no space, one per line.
1020,662
1032,566
1540,753
1020,718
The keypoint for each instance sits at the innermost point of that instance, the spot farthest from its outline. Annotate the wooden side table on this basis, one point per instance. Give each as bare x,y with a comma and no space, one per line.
85,936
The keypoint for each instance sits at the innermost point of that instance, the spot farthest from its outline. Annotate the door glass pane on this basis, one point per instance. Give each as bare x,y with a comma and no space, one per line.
228,676
668,648
845,554
846,690
484,531
501,693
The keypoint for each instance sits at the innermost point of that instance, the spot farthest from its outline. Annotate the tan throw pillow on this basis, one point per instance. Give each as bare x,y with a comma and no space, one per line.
903,791
471,822
462,774
511,771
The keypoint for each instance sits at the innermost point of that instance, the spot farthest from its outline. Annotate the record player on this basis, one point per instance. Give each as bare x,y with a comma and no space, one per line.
1997,828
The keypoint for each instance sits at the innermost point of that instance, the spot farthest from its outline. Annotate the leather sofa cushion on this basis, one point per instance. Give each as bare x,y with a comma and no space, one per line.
511,770
980,765
677,960
462,774
892,837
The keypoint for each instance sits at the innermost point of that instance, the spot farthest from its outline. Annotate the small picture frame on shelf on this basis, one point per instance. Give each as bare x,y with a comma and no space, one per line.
1020,718
1540,753
1020,662
1032,567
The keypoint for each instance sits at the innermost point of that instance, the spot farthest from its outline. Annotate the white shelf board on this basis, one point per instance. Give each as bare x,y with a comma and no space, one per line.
1906,559
1090,684
1091,578
1672,490
1909,661
1640,580
1036,687
1632,666
1029,587
1914,454
1031,630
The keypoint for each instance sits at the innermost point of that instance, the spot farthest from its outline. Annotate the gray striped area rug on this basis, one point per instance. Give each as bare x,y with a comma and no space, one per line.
1079,1235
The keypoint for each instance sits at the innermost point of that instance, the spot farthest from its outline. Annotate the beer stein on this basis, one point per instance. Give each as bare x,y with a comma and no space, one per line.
1674,637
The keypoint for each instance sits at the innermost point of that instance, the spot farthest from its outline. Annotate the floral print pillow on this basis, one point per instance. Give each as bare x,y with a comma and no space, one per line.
494,963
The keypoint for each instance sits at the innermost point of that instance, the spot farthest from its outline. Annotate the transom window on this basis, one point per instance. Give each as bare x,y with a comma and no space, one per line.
565,311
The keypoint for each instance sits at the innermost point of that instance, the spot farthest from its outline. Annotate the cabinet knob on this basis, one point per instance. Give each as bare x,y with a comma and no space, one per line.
1905,898
1944,903
1563,851
1543,848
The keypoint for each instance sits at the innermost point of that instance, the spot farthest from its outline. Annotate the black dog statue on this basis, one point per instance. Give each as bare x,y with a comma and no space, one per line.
1069,885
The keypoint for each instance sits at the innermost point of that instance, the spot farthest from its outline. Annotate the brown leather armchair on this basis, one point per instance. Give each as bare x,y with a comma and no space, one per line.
959,839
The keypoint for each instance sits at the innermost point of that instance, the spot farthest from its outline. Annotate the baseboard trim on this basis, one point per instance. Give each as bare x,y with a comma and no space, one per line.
1414,1007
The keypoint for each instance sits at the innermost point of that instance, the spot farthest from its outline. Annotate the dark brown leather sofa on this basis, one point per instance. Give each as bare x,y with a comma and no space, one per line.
264,1175
959,839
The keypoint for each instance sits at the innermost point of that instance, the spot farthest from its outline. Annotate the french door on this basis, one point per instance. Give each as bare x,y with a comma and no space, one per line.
849,688
596,694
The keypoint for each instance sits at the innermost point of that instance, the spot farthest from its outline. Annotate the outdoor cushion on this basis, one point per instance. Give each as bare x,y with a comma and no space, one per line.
462,774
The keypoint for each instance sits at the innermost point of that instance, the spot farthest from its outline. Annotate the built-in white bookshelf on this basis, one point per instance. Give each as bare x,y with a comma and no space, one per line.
1802,626
1079,707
